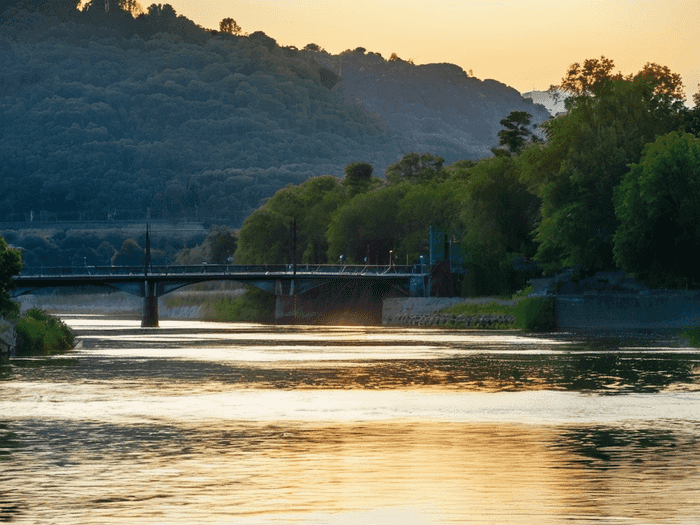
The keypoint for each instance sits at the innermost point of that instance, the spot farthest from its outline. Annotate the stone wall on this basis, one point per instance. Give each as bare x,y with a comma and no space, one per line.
8,338
655,309
423,311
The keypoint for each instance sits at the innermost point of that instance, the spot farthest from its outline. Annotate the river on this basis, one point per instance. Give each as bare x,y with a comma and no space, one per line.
199,422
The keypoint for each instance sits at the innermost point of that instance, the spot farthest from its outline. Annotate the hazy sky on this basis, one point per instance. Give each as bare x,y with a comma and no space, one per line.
525,44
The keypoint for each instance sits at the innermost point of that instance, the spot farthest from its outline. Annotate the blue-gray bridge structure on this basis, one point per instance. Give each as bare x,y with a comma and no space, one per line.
282,280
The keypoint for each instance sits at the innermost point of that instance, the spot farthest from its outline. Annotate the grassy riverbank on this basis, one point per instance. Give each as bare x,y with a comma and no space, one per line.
39,333
534,314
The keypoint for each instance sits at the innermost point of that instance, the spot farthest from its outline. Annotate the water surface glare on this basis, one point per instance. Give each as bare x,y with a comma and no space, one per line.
218,423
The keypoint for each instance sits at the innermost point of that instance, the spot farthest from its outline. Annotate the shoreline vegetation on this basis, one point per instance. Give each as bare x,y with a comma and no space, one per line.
40,333
519,312
47,335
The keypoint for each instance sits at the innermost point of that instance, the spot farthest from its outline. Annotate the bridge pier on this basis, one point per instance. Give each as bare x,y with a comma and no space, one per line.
286,309
149,316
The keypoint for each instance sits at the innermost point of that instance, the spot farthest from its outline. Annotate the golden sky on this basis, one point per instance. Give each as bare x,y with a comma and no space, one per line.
525,44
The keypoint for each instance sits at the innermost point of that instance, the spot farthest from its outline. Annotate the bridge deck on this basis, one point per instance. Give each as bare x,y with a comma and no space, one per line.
211,272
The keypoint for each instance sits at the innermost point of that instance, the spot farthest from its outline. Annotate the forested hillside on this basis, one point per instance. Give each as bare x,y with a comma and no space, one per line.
115,116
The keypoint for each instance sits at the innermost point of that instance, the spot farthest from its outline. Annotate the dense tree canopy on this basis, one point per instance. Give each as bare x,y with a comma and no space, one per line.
218,248
10,265
658,206
587,153
415,167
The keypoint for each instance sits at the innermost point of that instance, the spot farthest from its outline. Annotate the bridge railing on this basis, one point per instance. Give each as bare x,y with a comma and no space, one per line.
218,269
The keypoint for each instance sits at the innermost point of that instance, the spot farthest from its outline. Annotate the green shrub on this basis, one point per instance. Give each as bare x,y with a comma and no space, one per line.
253,306
693,336
535,314
41,334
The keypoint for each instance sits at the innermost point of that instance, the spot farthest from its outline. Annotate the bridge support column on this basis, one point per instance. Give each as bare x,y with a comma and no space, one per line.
149,317
285,309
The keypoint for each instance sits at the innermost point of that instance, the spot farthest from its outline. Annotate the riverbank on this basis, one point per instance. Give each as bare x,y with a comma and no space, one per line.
457,312
34,333
176,306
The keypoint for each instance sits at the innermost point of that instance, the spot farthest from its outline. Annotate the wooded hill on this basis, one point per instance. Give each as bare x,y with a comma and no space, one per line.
113,116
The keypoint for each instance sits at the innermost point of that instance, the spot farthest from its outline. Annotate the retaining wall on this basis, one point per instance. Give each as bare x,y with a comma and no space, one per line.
423,311
656,309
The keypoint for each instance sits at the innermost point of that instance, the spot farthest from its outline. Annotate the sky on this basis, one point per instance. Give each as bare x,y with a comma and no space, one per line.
524,44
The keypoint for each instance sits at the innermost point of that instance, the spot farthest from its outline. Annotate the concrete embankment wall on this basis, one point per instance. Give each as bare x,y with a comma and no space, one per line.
423,311
614,311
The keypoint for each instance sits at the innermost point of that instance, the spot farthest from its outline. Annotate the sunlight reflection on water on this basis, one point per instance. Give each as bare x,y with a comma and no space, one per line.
216,423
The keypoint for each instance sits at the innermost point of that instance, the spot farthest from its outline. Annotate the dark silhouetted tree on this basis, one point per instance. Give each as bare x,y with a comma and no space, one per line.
313,47
516,133
229,25
10,265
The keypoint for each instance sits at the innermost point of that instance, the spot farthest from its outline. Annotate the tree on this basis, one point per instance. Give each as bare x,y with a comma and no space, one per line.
394,58
229,25
589,79
499,215
414,167
666,83
696,97
358,177
265,235
221,244
367,226
588,151
115,6
10,265
130,254
59,8
313,47
264,238
658,206
516,134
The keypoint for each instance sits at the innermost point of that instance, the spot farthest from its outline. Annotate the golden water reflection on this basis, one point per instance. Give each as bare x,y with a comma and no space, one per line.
420,472
207,423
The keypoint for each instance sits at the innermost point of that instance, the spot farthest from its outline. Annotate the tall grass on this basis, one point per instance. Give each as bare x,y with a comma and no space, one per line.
38,333
253,306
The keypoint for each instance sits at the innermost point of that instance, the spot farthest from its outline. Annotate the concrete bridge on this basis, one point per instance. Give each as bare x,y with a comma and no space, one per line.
284,281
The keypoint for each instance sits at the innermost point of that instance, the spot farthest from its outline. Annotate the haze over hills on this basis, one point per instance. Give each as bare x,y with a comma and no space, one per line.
548,100
102,121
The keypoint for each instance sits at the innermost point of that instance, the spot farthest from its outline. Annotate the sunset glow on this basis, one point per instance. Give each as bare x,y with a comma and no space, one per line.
527,45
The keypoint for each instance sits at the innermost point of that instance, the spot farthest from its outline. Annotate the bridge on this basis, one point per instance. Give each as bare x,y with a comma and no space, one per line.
284,281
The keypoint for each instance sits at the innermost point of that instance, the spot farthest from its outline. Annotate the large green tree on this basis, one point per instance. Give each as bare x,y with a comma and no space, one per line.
368,226
498,214
515,133
658,206
415,167
358,178
588,150
10,265
265,235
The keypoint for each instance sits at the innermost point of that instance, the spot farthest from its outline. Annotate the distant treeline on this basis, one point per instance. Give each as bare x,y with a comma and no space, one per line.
104,247
150,113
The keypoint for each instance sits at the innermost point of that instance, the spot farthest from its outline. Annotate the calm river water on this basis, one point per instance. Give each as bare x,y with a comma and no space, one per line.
216,423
